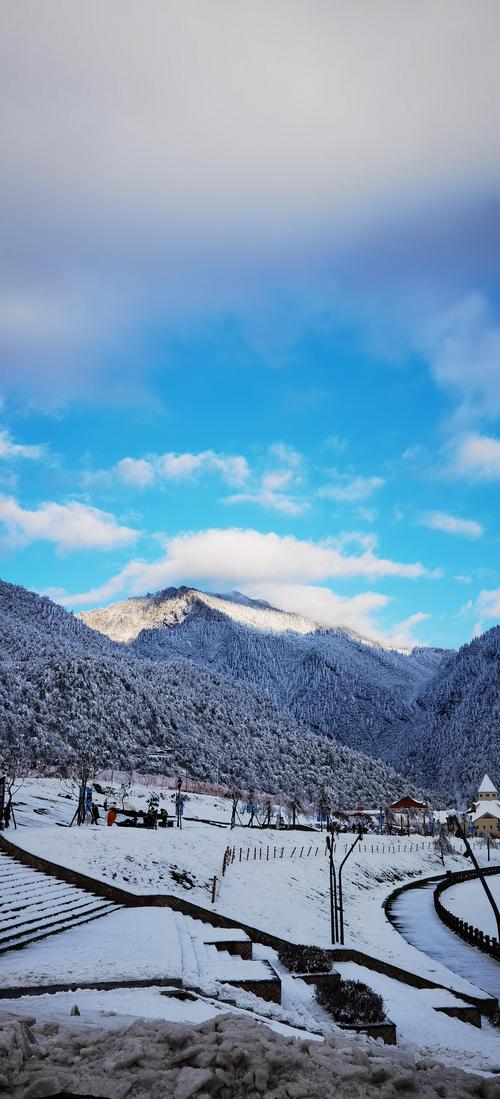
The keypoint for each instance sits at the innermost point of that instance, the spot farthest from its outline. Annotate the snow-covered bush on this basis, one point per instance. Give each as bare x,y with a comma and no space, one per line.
351,1002
305,959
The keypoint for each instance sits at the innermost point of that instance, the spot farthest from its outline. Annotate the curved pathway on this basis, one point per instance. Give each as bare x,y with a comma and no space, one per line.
414,916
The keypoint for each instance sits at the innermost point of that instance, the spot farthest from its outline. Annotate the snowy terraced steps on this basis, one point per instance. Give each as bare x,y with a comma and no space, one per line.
34,905
205,963
167,946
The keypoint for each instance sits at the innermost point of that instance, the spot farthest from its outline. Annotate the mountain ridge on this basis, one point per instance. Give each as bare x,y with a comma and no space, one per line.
202,679
393,706
66,689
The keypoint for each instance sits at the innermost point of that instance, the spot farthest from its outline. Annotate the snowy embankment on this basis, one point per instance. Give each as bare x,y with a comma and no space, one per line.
469,901
230,1057
288,896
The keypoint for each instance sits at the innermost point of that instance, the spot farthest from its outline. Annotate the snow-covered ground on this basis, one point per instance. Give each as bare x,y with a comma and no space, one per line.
470,903
414,1013
287,895
130,944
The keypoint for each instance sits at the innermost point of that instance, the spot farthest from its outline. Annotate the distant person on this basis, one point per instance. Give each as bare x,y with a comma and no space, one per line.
162,822
94,815
111,817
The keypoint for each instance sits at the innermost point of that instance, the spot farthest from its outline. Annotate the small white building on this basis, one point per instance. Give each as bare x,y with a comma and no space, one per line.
485,810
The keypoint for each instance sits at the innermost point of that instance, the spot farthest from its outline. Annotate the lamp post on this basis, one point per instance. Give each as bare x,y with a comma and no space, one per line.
334,912
336,896
341,899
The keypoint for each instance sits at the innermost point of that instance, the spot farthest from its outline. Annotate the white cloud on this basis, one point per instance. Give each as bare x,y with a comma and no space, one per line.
238,558
135,471
486,606
285,455
346,489
180,468
476,457
336,443
463,348
412,452
233,128
9,450
450,524
233,468
72,526
271,495
328,608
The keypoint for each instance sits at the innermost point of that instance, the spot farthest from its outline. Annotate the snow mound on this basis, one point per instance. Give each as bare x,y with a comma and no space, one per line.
230,1057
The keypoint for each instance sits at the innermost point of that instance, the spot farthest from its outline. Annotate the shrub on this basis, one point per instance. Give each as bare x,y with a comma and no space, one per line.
351,1002
305,959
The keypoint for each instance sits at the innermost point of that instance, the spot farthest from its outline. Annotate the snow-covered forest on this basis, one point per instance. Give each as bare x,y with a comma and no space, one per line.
65,688
433,714
226,686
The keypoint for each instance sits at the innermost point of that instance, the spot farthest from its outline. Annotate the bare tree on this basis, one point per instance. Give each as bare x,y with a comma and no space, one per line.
15,764
324,805
235,794
79,772
294,807
125,788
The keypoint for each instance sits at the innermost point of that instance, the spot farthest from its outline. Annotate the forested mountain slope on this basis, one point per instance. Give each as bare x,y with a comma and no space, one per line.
459,718
361,694
268,698
65,688
433,713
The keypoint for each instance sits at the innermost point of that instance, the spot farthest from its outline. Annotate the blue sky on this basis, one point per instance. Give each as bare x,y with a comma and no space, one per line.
249,312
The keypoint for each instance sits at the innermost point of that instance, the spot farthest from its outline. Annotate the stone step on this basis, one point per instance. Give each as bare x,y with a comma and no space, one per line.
34,935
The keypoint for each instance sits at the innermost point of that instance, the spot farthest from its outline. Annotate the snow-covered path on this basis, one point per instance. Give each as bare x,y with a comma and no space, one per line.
415,918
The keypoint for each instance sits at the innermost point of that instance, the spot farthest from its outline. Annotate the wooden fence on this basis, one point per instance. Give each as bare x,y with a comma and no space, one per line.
268,852
466,931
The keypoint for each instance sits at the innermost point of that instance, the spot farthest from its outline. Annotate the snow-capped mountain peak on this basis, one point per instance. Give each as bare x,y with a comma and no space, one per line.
124,621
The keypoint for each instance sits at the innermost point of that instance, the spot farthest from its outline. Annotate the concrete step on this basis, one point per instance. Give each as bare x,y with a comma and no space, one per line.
40,915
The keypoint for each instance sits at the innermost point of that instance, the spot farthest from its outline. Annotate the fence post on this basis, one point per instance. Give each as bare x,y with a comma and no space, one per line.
214,889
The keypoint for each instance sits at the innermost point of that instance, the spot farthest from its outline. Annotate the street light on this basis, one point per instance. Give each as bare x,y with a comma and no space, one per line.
334,916
336,896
